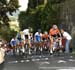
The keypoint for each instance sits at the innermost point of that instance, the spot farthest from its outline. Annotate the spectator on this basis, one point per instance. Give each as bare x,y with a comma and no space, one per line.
2,53
68,38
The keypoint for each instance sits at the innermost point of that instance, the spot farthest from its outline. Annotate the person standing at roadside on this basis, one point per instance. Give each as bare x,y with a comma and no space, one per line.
68,38
2,56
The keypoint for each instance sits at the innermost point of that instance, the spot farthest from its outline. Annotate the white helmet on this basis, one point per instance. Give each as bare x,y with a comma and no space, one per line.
45,32
55,26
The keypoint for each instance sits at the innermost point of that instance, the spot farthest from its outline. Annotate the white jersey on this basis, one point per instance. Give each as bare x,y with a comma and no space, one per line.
67,36
12,39
26,32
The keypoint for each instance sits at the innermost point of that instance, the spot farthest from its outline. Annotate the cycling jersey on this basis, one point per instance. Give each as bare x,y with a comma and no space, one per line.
26,33
44,36
54,32
37,37
13,42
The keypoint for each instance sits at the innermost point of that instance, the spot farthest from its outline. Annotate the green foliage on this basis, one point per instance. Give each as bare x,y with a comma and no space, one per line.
3,1
7,34
40,14
5,7
15,3
49,15
56,1
5,31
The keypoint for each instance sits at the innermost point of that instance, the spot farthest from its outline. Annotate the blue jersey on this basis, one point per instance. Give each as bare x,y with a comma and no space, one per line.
19,37
38,38
13,42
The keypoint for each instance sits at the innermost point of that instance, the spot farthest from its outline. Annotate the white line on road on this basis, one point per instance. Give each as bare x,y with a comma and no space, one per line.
58,68
71,56
27,60
35,59
22,61
43,63
72,60
65,69
61,61
13,62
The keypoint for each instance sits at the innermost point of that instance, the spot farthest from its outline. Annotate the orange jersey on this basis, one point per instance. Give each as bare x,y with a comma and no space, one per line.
44,36
53,31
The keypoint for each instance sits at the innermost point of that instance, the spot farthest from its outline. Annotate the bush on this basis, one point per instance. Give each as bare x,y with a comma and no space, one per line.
8,34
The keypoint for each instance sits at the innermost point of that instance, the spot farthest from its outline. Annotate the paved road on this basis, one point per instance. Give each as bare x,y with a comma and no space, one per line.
43,62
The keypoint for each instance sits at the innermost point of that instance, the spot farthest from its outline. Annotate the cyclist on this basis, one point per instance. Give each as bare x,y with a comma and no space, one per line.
27,38
38,36
37,39
54,33
45,38
13,44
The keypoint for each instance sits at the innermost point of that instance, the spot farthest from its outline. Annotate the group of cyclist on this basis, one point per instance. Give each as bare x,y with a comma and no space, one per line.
51,40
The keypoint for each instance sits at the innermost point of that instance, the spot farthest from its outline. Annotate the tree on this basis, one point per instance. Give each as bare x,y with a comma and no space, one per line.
40,14
7,34
5,7
4,26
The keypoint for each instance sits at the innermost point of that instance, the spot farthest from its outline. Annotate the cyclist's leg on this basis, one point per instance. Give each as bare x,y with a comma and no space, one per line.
22,46
54,45
29,46
51,45
59,44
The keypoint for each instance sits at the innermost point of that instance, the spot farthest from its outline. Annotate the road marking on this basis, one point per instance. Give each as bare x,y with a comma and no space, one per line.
35,59
22,61
27,60
57,68
72,60
46,58
13,62
71,56
42,63
40,56
61,61
61,57
65,69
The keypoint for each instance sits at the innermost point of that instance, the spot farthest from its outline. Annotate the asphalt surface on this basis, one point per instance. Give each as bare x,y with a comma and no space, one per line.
39,62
